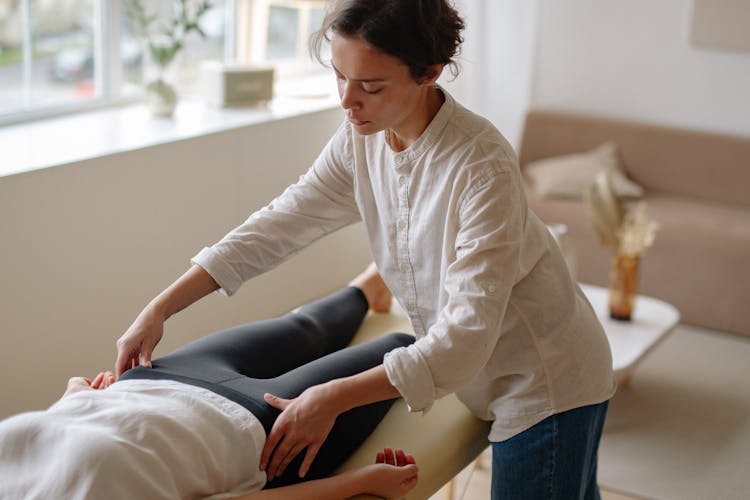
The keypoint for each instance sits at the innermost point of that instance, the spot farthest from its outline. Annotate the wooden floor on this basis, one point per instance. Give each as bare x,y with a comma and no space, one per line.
473,483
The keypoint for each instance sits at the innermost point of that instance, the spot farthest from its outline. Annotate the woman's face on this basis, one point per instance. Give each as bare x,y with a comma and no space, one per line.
376,89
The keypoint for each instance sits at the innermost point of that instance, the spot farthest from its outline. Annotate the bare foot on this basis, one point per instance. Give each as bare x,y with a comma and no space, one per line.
376,291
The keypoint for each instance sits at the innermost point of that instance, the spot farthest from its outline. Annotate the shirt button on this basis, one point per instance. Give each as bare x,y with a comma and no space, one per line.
401,223
404,266
492,288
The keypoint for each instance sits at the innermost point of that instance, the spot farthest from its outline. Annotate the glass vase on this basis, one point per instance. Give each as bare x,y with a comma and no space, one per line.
160,88
161,97
623,286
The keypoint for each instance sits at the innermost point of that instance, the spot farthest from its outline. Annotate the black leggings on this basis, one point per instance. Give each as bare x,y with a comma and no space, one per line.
284,356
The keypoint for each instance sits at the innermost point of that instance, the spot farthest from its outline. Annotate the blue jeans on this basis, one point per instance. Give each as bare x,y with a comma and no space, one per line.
553,460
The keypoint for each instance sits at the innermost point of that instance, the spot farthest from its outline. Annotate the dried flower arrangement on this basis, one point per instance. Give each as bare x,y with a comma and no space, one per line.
627,232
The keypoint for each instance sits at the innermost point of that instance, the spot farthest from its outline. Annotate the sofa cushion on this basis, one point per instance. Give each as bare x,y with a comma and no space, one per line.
568,176
704,165
699,261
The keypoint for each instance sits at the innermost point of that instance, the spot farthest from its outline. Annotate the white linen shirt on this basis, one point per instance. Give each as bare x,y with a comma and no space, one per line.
137,439
497,316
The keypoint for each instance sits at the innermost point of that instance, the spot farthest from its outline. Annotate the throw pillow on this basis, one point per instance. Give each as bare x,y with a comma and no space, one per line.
568,176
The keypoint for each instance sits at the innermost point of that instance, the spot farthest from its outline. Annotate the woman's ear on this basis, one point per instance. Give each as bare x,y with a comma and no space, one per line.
432,74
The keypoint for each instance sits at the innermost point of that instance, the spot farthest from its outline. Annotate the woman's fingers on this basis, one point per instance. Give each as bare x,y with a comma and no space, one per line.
312,452
97,381
397,457
305,422
403,459
107,380
282,455
400,458
125,361
285,452
276,402
103,380
130,357
126,354
278,432
284,458
144,358
136,346
270,446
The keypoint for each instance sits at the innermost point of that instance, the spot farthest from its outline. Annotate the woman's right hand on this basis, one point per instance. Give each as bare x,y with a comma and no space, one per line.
136,345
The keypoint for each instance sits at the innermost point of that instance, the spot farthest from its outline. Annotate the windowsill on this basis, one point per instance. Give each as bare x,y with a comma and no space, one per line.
58,141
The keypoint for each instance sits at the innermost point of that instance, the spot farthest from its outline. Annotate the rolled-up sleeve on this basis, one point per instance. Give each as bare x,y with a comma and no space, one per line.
478,282
228,279
408,372
321,202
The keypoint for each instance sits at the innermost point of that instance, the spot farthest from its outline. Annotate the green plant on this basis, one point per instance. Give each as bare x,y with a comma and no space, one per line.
166,40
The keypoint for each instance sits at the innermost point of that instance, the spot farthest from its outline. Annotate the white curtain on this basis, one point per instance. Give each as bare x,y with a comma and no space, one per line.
497,61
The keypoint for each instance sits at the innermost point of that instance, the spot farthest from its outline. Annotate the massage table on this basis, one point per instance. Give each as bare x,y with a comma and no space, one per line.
443,441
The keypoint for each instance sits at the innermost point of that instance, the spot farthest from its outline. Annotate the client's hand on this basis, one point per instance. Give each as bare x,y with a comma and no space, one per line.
103,380
78,384
398,458
393,475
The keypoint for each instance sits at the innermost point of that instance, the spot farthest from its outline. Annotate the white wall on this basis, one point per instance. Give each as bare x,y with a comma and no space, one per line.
86,245
630,59
497,61
633,59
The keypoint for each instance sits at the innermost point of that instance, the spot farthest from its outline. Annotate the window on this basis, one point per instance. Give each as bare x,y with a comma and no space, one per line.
277,32
46,53
59,56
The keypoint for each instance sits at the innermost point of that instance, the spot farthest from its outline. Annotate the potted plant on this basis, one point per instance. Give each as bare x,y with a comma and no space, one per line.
163,42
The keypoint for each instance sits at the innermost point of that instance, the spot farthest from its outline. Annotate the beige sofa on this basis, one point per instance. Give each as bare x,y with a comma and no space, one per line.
697,186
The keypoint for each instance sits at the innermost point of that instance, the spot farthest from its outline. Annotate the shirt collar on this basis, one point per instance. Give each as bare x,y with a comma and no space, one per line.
430,134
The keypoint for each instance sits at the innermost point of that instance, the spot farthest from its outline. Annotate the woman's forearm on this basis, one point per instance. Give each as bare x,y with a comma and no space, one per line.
361,389
339,487
380,479
195,284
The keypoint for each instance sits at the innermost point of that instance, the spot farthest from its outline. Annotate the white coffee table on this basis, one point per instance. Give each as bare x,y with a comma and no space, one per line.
631,340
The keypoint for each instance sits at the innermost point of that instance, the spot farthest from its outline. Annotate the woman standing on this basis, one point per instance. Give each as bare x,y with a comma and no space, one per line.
498,318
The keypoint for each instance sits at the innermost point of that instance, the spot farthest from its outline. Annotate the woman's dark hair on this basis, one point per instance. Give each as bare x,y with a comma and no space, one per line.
420,33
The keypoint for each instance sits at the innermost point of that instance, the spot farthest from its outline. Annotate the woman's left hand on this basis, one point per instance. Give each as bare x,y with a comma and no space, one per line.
305,422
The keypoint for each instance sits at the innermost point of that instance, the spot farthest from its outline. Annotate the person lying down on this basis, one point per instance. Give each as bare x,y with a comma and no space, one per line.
194,425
